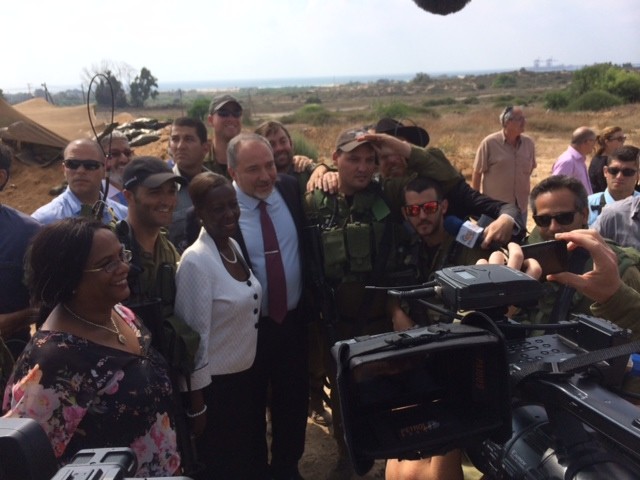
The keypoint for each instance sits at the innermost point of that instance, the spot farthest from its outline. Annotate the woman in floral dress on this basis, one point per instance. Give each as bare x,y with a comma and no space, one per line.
89,375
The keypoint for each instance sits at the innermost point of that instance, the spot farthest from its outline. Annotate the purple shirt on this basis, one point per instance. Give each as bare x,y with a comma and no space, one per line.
573,164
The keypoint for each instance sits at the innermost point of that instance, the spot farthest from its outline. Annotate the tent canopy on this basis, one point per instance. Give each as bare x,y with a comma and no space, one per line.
38,122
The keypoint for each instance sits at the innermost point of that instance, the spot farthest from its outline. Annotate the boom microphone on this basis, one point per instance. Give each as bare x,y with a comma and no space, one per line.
442,7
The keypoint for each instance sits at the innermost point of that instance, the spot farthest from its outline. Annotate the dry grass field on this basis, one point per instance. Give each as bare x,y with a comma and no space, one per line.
457,132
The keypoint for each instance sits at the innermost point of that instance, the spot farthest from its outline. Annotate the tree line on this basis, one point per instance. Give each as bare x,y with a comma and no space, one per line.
109,81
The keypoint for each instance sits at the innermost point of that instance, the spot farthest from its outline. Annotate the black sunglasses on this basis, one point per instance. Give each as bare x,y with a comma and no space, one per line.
427,207
564,218
626,172
229,113
87,164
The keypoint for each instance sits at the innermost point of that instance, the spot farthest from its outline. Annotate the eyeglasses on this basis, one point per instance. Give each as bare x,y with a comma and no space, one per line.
116,153
124,256
87,164
427,207
621,138
626,172
229,113
564,218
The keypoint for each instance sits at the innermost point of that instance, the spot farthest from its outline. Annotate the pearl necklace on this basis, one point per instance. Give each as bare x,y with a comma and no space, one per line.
233,250
115,328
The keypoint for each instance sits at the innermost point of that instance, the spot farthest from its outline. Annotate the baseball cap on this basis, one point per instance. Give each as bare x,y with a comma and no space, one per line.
411,133
348,139
218,102
150,172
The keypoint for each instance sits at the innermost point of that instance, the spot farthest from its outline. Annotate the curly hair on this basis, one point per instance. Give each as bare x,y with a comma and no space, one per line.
57,258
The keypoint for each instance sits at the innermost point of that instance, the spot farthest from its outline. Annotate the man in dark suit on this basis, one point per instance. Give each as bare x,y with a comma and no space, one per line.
281,358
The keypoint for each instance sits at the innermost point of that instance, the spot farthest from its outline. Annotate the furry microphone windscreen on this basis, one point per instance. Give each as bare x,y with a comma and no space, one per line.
442,7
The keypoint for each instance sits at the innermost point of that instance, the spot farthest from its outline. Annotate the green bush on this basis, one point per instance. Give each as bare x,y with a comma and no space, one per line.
504,80
302,146
392,110
626,85
590,78
594,100
606,77
199,109
309,114
421,79
435,102
313,99
471,101
558,100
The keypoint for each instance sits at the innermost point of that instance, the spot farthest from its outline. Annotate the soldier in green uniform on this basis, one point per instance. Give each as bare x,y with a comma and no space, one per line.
360,240
225,118
432,248
150,187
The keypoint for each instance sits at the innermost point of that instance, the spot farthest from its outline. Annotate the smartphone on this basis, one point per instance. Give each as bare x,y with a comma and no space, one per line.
552,255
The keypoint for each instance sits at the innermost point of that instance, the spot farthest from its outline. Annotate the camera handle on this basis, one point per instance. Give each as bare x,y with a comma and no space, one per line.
574,363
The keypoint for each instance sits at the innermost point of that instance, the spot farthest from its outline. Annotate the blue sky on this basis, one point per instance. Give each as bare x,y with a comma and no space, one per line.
53,42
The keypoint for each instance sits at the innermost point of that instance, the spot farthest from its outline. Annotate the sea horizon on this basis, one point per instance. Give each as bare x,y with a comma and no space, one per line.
311,81
328,80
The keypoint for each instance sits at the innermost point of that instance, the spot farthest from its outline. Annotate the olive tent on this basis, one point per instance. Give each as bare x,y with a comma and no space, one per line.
39,131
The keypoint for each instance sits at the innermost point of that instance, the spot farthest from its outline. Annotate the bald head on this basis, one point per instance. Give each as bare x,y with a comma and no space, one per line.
83,167
583,140
86,144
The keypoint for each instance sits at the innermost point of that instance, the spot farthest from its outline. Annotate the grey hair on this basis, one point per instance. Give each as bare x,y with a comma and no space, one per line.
240,139
507,113
106,140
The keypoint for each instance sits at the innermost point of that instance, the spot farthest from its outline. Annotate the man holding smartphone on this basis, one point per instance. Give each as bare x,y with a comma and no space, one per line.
559,205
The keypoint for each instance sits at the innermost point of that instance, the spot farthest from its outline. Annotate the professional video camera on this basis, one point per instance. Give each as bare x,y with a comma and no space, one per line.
523,407
26,454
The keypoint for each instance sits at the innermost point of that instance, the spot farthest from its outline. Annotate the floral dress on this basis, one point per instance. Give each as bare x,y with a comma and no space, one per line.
87,395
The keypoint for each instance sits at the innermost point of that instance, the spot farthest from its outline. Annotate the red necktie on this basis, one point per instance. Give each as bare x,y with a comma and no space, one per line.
277,286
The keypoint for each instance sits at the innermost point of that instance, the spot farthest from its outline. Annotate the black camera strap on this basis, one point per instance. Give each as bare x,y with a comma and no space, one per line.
574,363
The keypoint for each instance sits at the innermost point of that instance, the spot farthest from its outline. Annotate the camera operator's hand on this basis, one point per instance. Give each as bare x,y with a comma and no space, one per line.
604,280
514,258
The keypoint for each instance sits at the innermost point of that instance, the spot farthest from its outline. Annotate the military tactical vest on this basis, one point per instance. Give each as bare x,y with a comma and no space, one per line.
357,233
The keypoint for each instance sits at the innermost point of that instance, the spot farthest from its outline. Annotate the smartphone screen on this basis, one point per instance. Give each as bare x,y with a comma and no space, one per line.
551,255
